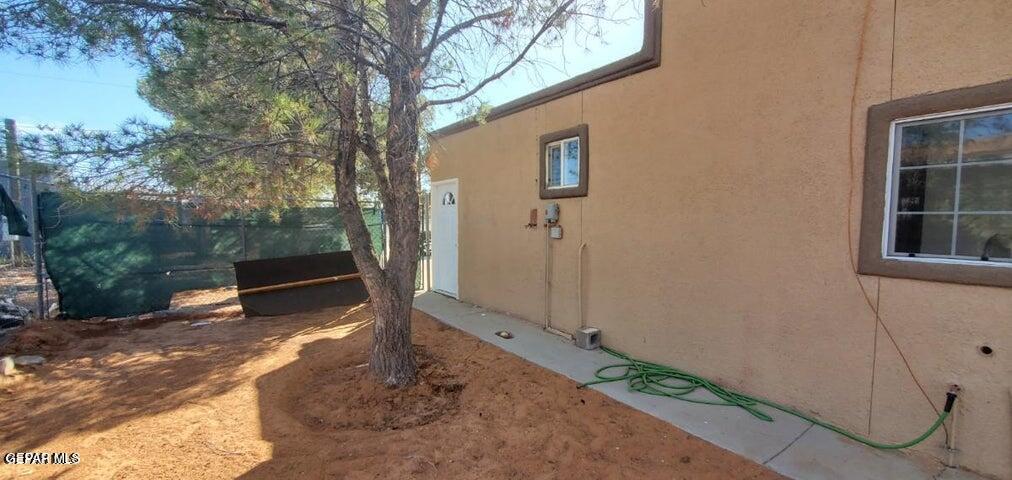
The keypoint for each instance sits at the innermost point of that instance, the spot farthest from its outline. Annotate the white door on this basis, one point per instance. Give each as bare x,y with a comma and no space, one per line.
444,237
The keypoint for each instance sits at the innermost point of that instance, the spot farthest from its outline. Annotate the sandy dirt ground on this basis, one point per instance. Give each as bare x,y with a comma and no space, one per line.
212,297
290,397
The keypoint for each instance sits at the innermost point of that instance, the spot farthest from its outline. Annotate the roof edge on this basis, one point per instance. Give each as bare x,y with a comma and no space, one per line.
648,57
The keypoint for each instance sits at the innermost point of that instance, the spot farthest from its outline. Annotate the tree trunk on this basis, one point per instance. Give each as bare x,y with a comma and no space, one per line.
391,288
392,358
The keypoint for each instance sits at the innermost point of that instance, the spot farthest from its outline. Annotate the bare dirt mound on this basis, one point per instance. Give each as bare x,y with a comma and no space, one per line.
347,397
38,339
54,336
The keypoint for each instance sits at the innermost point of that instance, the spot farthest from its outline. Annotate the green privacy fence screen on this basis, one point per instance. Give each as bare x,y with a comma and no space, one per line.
106,263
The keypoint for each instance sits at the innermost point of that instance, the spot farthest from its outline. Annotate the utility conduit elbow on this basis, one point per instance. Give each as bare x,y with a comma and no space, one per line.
950,397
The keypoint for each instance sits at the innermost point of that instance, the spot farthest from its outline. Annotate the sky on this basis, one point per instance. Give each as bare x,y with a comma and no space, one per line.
99,96
576,55
102,95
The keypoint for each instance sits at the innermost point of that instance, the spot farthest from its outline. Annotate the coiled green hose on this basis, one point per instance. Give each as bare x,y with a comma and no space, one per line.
663,381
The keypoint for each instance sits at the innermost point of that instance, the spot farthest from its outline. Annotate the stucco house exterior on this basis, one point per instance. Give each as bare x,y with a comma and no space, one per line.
807,201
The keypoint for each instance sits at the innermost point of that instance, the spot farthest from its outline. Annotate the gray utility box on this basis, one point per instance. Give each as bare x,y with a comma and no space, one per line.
588,338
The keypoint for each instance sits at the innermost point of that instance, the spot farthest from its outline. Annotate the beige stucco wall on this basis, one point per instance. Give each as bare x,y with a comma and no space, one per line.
717,220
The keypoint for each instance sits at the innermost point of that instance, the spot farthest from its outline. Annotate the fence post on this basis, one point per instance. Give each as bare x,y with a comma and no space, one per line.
242,233
40,312
384,235
14,170
428,240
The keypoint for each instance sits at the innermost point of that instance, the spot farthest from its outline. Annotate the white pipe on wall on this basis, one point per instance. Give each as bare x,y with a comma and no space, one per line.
548,278
579,283
951,447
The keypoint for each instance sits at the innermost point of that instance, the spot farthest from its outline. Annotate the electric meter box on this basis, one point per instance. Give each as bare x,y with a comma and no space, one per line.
552,213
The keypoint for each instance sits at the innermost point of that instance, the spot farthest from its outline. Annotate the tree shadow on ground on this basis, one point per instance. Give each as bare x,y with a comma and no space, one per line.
109,378
298,450
327,417
477,412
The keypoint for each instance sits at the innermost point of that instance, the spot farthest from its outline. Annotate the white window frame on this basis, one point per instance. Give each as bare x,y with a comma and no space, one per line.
892,192
562,163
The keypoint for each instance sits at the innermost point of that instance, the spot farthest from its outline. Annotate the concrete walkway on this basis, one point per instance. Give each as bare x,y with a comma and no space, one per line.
793,447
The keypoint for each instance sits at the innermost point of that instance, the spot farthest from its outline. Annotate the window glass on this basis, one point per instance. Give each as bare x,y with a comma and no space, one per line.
929,144
984,236
988,138
572,171
554,165
927,189
952,188
986,187
923,234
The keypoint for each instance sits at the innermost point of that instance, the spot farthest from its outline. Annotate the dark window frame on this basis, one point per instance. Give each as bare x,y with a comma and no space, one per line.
579,190
872,260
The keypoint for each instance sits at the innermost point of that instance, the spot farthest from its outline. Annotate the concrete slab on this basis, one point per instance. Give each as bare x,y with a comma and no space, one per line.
529,341
788,445
822,454
730,428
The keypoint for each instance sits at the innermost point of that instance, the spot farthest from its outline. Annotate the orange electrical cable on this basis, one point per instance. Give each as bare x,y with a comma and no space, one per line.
850,201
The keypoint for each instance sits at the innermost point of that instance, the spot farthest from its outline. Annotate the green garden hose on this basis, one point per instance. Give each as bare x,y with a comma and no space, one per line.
654,379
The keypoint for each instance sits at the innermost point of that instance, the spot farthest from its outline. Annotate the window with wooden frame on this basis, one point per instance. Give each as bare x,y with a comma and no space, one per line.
563,163
938,187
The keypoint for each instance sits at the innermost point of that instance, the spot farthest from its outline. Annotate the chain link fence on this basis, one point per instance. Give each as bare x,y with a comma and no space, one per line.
23,279
114,255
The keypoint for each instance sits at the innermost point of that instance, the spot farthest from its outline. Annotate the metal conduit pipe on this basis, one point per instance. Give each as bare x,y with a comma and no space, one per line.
950,437
579,284
548,279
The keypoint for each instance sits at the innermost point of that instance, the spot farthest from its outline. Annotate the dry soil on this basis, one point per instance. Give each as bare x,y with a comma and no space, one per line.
290,397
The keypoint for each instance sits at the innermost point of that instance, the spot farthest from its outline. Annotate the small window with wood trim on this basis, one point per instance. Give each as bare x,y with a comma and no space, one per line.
563,163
